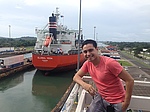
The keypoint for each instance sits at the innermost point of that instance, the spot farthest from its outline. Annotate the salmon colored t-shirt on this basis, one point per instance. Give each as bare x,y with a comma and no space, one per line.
105,76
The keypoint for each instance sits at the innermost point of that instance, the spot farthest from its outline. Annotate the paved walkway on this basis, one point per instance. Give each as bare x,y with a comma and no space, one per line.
139,75
139,72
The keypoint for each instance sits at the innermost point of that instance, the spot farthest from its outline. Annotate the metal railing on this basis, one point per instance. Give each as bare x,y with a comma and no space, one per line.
83,99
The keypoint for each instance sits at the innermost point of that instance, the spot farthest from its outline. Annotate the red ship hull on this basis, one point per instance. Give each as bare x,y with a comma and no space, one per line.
56,63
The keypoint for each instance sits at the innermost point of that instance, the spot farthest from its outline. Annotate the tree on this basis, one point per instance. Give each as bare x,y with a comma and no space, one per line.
17,42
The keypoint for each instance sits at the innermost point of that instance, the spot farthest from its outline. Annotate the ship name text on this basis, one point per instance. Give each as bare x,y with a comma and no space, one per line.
48,58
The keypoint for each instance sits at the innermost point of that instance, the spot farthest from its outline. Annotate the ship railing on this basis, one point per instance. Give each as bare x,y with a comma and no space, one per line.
79,99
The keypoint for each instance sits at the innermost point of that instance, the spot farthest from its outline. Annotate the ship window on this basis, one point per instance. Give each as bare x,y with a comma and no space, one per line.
1,62
58,32
70,33
65,41
63,32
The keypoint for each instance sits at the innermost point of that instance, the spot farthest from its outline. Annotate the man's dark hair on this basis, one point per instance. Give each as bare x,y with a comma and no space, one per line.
90,41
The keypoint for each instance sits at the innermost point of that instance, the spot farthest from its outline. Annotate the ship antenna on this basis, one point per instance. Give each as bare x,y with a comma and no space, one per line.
57,14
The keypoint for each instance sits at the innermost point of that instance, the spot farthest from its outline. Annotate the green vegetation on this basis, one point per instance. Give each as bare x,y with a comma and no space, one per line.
137,46
29,48
134,48
17,42
124,63
131,56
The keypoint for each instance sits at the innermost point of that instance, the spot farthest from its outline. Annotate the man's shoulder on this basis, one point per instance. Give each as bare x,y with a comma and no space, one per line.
86,62
107,60
104,58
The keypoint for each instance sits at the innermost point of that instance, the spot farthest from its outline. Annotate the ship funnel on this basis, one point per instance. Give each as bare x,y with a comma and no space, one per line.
53,25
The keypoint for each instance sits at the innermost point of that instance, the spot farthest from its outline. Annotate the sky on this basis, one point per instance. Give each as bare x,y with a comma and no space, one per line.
111,20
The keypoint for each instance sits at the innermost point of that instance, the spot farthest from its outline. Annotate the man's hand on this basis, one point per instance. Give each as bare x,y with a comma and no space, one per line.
89,88
124,106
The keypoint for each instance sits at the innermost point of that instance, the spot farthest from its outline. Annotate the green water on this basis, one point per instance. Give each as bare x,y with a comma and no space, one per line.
31,91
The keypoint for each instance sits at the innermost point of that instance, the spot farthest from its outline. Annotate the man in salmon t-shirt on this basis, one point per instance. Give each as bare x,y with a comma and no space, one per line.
107,74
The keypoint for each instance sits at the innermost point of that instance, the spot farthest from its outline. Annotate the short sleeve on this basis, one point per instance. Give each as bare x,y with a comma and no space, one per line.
114,67
84,67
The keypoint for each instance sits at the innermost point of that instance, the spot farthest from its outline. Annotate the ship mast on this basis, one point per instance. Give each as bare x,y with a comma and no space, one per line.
57,15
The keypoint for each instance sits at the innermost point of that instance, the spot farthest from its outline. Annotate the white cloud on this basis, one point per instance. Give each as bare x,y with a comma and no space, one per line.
33,2
146,32
18,6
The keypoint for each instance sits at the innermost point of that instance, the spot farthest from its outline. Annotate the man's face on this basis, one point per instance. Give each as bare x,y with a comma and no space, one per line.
90,52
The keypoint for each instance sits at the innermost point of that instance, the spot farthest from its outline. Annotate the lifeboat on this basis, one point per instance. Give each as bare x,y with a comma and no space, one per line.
47,41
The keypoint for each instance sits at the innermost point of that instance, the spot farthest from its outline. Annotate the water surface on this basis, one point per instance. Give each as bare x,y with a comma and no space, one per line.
31,91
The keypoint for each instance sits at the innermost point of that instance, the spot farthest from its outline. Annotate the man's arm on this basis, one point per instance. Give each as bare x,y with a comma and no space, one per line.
129,81
78,79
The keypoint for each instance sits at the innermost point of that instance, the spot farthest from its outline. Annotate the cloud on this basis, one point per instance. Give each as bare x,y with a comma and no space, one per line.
18,7
147,31
114,19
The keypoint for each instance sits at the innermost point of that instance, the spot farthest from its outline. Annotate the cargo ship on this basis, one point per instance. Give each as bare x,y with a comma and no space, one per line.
57,48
